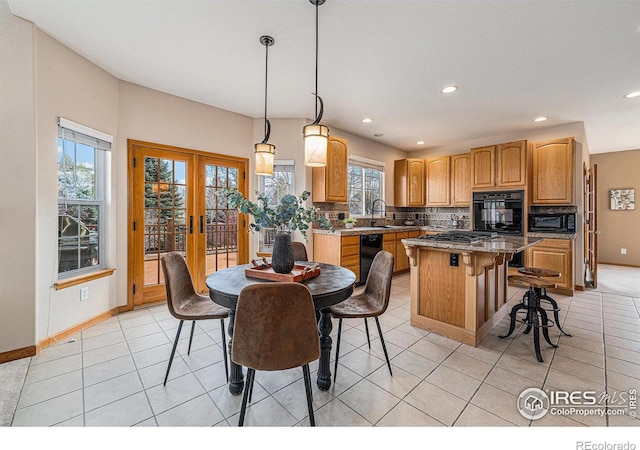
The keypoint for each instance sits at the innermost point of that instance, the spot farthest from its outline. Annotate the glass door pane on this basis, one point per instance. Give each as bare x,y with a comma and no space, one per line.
219,222
165,213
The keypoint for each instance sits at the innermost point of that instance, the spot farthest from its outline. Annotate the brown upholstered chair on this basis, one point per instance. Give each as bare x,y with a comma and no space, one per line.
275,328
372,302
299,251
185,304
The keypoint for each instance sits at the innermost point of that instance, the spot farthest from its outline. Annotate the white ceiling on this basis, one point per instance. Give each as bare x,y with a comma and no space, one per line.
572,61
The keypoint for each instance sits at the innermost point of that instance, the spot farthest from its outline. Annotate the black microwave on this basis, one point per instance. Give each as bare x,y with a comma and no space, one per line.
553,222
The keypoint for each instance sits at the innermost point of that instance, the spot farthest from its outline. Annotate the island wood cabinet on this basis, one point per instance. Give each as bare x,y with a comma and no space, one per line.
554,254
338,250
409,182
552,167
438,181
329,183
461,180
499,166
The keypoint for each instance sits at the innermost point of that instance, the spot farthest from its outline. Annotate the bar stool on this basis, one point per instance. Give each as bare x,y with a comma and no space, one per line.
536,317
542,292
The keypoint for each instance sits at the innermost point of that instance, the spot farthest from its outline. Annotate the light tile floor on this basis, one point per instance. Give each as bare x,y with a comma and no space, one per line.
111,374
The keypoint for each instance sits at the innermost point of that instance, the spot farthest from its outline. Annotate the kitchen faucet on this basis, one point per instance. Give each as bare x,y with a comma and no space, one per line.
373,210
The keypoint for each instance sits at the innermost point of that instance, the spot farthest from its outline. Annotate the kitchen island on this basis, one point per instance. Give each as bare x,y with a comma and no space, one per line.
458,289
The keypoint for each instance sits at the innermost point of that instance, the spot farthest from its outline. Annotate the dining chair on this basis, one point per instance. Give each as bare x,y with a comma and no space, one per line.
371,302
275,328
299,251
185,304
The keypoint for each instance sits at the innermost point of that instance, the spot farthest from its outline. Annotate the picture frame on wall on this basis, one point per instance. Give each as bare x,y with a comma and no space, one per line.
622,199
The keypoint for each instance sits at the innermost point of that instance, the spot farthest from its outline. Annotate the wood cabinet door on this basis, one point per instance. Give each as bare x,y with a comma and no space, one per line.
554,254
330,182
461,180
401,260
511,164
437,181
483,167
389,245
553,172
415,182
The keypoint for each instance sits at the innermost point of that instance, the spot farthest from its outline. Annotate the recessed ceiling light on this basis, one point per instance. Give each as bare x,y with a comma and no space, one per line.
420,142
540,119
367,120
632,94
449,89
378,135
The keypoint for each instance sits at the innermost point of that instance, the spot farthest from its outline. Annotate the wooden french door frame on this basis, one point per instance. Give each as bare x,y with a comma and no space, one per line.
195,242
591,225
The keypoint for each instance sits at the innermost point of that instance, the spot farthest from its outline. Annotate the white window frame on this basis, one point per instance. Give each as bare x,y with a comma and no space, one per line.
101,143
266,235
365,163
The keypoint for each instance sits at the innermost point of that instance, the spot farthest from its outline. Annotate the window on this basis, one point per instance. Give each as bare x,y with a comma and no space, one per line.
82,162
366,184
275,186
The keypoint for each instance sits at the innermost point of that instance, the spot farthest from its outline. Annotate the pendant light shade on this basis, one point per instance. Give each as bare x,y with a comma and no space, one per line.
316,135
316,138
263,151
264,154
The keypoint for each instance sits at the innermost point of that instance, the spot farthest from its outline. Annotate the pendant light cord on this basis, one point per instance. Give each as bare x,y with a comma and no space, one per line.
267,41
316,92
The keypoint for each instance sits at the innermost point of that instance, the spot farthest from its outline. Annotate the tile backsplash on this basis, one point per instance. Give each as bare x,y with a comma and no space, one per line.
429,216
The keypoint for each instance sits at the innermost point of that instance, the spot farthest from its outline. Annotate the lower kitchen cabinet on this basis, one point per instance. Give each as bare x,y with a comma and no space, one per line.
338,250
392,242
554,254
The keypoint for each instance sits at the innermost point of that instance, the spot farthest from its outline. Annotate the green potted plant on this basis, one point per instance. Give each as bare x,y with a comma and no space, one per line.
288,215
349,222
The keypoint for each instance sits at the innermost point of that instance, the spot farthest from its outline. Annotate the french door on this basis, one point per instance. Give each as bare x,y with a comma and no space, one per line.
173,207
591,231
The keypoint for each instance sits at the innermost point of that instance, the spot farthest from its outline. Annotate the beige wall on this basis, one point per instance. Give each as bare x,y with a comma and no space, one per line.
68,86
17,182
152,116
619,229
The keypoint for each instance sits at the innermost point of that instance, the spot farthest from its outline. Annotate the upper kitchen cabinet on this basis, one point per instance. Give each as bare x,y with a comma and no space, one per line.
499,166
438,184
329,183
409,182
552,172
461,180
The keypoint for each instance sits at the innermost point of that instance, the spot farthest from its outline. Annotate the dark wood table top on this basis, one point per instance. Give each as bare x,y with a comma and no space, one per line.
333,285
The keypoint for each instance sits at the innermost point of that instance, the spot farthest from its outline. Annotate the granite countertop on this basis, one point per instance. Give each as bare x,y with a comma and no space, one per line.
567,236
501,244
386,229
355,231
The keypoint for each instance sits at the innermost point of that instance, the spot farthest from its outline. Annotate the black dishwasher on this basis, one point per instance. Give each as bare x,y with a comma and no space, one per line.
370,244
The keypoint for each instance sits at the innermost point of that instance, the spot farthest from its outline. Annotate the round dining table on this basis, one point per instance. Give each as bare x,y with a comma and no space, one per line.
332,286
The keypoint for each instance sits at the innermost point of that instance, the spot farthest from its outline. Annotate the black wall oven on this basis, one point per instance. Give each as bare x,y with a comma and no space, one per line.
501,212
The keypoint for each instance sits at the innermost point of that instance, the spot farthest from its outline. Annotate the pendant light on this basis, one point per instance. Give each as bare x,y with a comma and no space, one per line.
316,135
265,152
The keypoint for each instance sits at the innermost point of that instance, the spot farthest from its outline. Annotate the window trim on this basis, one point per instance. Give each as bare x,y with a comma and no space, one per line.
264,250
101,143
365,163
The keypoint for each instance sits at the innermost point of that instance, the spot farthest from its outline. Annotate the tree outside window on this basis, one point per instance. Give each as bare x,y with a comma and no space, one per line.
365,184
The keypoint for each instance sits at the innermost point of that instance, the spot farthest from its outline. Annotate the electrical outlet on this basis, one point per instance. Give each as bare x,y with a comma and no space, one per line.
453,259
84,293
623,251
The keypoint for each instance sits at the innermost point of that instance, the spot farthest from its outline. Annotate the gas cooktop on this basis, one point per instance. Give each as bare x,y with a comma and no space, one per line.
467,237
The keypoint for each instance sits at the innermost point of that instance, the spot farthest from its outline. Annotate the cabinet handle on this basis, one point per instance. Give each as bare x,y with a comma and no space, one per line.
190,224
201,225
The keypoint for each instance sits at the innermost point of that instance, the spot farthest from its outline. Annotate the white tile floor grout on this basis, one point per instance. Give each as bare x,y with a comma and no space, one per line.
111,374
